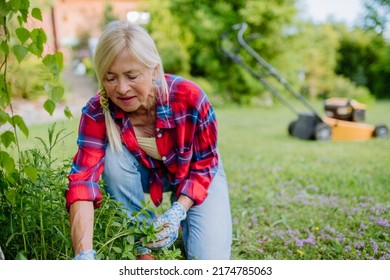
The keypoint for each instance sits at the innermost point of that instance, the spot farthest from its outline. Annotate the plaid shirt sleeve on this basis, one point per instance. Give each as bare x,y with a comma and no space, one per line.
196,141
204,163
87,164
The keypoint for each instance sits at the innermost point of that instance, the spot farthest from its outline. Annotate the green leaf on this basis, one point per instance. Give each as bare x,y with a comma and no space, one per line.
7,138
4,97
49,106
31,172
34,49
19,122
57,94
20,52
48,88
59,58
10,195
15,5
116,224
4,47
54,62
130,239
117,249
7,162
38,37
68,113
4,117
20,256
25,5
146,213
36,13
23,34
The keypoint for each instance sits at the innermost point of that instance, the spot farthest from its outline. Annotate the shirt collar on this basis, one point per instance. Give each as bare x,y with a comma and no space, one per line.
164,115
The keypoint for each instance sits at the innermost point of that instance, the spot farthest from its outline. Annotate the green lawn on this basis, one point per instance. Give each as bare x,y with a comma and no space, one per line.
298,199
292,198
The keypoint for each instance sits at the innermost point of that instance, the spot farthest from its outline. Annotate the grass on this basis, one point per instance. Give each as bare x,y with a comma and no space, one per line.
296,199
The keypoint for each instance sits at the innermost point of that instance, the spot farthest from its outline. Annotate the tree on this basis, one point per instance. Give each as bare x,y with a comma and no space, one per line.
188,35
363,58
377,15
20,42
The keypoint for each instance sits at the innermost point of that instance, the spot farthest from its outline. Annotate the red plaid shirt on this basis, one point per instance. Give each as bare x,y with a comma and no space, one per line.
186,137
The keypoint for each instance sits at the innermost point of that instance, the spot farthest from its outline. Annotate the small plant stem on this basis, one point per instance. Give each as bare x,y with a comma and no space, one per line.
42,228
23,226
4,67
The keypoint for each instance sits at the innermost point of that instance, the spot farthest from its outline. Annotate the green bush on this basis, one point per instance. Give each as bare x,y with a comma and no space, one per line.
35,224
31,79
343,87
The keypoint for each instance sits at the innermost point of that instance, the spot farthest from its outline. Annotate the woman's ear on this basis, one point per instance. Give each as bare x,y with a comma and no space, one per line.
156,71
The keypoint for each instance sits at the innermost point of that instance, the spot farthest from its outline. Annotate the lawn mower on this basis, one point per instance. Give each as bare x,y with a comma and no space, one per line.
343,116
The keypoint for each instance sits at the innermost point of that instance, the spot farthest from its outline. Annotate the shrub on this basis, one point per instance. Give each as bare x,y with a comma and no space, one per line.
31,79
34,222
343,87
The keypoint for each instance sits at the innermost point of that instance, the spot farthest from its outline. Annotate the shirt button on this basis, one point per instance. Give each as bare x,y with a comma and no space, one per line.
157,129
164,158
159,135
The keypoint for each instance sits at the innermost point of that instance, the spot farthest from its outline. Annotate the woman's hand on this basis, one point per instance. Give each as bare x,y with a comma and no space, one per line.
86,255
170,221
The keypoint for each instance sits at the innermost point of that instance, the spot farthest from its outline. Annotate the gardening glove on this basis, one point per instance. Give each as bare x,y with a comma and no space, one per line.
86,255
145,254
170,221
143,250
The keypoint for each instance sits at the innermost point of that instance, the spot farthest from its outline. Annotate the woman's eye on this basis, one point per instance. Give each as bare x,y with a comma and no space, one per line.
110,80
132,77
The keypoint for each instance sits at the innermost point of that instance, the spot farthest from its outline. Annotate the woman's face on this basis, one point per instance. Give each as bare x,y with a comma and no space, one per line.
129,83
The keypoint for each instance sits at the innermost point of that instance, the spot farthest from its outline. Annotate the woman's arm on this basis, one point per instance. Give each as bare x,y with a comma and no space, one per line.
185,201
81,215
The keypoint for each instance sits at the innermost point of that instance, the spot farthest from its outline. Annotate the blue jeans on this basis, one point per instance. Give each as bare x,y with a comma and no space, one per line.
207,230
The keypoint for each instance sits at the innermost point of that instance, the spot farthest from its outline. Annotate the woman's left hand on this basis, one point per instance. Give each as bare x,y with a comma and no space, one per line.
170,221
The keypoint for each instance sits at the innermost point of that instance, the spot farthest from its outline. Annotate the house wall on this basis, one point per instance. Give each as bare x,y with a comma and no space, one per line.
68,20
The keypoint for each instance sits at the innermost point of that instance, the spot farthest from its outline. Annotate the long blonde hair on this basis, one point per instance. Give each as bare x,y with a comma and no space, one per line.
117,36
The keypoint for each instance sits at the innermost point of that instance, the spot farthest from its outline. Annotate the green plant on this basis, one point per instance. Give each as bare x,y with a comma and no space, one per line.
343,87
31,80
118,236
16,43
20,183
34,222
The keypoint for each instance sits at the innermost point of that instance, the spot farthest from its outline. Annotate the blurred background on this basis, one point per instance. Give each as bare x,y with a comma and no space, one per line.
324,48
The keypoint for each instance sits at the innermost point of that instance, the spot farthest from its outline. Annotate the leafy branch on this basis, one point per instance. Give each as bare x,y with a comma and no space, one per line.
17,42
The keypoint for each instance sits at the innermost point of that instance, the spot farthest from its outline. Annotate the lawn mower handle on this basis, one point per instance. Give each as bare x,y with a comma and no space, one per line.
234,55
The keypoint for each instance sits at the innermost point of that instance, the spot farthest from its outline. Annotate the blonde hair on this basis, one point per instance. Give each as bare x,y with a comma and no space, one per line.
117,36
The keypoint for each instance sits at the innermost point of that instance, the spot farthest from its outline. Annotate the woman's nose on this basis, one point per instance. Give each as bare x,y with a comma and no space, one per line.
122,86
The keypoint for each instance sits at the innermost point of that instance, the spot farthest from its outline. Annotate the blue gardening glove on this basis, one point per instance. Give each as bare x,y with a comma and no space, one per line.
86,255
143,250
170,221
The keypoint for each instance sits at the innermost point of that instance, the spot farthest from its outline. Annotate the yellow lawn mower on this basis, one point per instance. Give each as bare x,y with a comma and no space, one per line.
343,120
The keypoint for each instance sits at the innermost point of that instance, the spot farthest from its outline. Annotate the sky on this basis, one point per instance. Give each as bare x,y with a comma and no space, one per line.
341,10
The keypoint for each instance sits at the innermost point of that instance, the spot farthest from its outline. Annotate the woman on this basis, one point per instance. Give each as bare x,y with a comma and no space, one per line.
149,132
